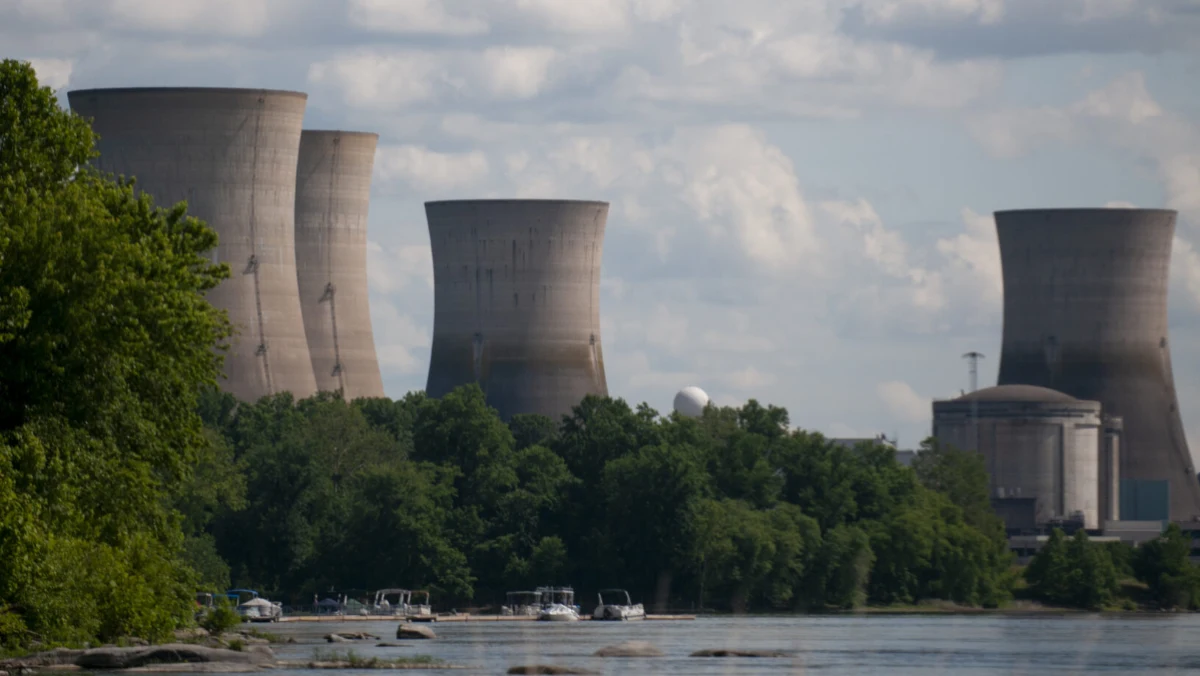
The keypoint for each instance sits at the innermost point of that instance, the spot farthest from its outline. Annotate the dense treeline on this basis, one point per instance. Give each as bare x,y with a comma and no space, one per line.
733,510
1080,573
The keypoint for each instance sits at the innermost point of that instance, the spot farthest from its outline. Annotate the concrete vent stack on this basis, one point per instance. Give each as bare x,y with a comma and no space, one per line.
231,154
333,189
517,301
1085,313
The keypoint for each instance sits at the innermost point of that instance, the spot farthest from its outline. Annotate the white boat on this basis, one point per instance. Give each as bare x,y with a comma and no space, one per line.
558,605
522,603
400,602
558,612
618,611
260,610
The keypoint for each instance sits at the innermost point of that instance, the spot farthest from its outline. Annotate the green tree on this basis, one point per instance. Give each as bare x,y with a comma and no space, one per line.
105,342
1164,565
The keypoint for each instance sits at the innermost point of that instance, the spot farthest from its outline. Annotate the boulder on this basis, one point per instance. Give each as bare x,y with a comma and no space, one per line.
48,658
722,652
548,669
414,631
630,649
191,634
172,653
343,636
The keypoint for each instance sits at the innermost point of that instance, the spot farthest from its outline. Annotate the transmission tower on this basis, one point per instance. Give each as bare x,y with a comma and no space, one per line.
973,360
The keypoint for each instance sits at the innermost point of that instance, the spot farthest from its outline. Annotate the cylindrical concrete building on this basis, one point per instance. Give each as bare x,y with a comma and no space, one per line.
517,301
1041,448
231,154
333,190
1085,313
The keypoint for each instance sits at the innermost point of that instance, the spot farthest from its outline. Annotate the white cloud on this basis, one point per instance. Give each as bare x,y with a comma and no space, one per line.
404,268
903,401
414,16
398,339
516,72
53,73
889,11
973,266
1125,98
425,169
245,18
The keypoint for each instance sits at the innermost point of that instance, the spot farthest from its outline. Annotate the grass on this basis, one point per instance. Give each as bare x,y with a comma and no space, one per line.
353,660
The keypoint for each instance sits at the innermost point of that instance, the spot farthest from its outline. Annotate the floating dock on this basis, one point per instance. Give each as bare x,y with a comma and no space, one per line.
450,618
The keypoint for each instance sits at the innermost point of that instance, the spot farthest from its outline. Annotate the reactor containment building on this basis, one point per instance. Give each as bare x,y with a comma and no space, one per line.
333,191
1085,313
517,302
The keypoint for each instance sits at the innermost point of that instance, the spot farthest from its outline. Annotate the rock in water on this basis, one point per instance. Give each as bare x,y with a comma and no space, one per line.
738,653
548,669
337,638
630,649
172,653
414,631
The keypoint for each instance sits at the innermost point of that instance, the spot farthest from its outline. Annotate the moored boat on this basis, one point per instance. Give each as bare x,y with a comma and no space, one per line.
558,605
617,611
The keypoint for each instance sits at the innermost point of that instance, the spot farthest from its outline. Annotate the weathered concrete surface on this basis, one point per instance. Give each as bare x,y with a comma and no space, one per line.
231,154
517,302
333,190
1036,443
1085,313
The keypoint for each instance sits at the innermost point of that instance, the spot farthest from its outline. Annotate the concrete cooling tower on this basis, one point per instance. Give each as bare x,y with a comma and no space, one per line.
517,301
333,189
231,153
1085,313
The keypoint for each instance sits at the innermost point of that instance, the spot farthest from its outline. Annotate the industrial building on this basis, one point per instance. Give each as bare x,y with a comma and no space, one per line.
1050,457
231,154
1085,314
333,191
517,301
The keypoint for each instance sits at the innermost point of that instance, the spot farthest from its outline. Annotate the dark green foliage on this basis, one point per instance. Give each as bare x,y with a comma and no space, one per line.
221,618
1074,573
105,342
731,510
1164,566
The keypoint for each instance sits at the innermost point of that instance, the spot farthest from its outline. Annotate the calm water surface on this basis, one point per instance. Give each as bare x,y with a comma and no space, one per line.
976,645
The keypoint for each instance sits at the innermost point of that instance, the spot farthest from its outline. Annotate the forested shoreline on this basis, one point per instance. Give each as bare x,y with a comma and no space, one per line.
731,511
128,482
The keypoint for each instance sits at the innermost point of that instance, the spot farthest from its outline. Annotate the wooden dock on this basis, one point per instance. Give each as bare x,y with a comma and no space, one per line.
451,618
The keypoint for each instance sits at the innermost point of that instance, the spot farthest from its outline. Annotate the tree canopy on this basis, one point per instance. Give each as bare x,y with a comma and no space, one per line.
105,342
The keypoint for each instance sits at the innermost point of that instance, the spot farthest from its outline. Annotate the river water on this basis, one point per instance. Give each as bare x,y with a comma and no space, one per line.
893,644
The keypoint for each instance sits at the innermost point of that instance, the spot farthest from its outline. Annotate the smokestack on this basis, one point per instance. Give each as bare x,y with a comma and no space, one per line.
1085,313
231,153
333,189
517,301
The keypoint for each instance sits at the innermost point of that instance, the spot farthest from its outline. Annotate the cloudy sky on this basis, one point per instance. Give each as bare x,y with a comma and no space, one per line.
801,191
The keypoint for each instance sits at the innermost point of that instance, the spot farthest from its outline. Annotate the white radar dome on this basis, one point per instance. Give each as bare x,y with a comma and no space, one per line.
691,402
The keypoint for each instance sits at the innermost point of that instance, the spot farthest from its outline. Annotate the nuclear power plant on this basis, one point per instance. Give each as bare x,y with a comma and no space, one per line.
517,302
231,154
1083,426
333,191
1085,313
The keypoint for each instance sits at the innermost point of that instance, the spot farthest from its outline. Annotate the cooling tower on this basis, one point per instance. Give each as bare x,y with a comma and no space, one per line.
517,301
1085,313
231,153
333,189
